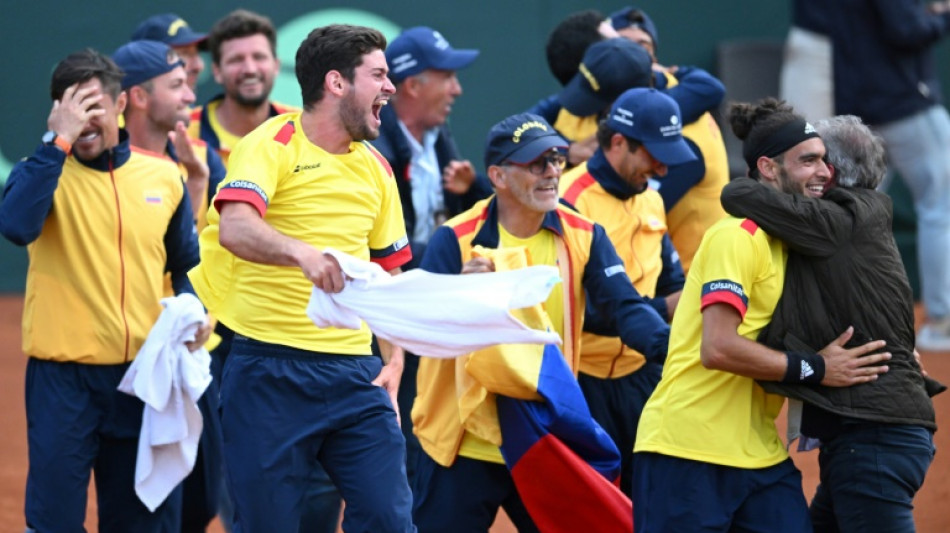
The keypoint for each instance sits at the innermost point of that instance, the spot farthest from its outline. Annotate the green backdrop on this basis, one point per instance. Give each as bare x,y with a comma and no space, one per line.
509,76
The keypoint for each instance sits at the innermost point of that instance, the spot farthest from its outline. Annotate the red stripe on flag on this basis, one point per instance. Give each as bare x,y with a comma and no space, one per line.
563,494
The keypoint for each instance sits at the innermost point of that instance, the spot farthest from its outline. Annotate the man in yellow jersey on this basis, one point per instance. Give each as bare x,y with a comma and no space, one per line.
461,479
295,396
244,62
102,224
638,141
708,456
172,30
243,47
156,115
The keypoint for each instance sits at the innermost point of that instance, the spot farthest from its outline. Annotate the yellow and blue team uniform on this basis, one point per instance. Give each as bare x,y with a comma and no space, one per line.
616,379
707,450
204,125
292,393
100,235
690,191
461,478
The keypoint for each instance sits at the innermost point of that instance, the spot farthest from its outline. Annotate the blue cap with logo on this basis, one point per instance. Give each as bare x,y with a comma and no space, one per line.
631,16
144,60
421,48
521,138
653,118
168,28
609,68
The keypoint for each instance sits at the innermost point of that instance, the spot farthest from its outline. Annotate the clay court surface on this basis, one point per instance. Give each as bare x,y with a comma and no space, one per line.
932,512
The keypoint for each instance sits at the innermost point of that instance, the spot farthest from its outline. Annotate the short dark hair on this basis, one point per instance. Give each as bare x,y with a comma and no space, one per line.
605,133
339,47
569,40
82,66
753,123
236,24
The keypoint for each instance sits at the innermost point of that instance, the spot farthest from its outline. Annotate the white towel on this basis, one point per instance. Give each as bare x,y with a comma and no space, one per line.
435,315
169,379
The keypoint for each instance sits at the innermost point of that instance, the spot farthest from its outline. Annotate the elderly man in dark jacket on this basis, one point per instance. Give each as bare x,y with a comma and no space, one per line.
844,270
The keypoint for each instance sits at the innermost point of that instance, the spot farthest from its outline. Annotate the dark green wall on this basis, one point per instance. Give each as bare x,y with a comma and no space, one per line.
509,76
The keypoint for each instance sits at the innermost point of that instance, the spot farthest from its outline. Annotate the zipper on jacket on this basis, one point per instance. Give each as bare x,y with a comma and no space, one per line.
118,210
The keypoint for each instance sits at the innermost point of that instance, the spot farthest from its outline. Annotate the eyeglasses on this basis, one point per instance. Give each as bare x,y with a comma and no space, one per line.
539,165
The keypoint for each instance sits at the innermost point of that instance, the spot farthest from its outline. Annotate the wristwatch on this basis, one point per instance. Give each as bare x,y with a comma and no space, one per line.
53,139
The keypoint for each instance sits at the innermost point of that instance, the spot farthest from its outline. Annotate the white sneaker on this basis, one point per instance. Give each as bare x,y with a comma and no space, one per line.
935,336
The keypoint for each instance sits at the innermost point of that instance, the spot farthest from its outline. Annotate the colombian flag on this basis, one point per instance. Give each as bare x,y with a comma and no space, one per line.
563,463
526,398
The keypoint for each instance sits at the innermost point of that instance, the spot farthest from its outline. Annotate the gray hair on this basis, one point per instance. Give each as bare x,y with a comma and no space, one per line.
856,152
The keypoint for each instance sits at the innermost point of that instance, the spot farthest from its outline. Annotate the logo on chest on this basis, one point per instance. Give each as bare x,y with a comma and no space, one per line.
305,166
154,197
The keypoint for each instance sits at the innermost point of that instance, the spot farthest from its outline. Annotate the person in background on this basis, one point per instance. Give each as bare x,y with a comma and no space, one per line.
172,30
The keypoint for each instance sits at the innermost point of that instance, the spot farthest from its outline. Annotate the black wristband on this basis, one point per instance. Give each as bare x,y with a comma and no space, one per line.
804,367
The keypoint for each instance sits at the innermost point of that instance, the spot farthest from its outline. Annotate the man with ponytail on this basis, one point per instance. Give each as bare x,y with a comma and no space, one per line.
709,426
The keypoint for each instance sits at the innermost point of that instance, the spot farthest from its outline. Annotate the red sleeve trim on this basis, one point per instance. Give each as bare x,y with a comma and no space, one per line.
240,195
749,226
724,297
395,260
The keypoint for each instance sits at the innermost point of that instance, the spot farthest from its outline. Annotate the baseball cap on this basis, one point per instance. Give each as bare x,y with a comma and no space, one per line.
609,68
520,138
421,48
144,60
621,19
653,118
168,28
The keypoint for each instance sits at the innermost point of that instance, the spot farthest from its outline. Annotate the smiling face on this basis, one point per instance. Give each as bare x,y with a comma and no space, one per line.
369,91
533,192
169,99
101,132
802,169
247,69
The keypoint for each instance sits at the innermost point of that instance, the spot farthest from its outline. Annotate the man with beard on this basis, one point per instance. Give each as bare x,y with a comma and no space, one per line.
102,223
640,138
295,396
156,116
244,62
844,268
709,425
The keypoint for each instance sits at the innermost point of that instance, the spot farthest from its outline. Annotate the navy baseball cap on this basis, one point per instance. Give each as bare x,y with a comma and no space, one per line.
144,60
421,48
653,118
609,68
622,19
169,29
520,138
